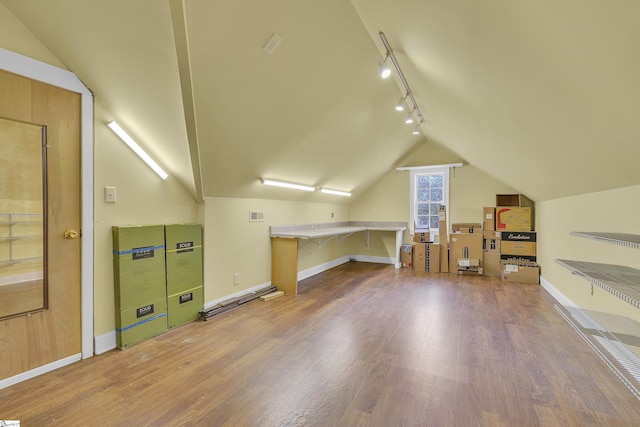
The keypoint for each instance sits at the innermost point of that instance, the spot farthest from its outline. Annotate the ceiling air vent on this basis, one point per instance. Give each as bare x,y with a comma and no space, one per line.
255,216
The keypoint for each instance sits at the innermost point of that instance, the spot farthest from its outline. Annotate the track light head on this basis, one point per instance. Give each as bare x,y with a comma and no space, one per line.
400,105
416,130
385,71
409,119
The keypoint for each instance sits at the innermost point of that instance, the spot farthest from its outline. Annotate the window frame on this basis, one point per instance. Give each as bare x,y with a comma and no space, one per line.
426,170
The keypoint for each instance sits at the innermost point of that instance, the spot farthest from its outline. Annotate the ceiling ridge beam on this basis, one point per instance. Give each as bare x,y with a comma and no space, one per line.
180,36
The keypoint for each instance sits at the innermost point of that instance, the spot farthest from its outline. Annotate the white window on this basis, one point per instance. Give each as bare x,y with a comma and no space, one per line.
429,190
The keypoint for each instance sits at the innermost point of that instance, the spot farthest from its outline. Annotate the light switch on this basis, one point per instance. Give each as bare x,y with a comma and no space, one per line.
110,194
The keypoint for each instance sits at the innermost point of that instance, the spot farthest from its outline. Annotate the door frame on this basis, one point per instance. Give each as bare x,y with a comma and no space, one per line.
45,73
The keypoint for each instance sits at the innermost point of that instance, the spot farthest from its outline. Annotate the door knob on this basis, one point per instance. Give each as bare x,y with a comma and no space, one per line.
71,234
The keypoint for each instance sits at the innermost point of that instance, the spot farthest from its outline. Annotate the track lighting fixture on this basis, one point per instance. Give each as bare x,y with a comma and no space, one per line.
416,130
409,98
385,71
400,105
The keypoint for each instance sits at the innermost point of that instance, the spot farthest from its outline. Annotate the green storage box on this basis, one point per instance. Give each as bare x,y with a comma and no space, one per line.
137,324
140,280
183,257
184,272
184,307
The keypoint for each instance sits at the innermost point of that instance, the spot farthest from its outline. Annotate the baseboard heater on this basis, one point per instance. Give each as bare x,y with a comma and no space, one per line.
233,303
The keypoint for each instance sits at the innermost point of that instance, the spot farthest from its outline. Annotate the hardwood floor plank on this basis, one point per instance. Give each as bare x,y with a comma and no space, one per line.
361,345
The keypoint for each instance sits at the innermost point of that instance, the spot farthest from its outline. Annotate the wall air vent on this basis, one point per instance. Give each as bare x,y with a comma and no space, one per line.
255,216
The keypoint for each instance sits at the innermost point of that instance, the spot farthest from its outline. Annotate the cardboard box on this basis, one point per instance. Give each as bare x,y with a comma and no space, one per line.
518,243
464,245
520,271
444,257
519,200
466,227
469,267
489,218
422,236
491,263
427,257
491,240
433,258
442,225
406,256
513,219
509,257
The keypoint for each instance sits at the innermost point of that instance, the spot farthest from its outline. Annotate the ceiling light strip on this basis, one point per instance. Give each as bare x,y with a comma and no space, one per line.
283,184
403,80
335,192
124,136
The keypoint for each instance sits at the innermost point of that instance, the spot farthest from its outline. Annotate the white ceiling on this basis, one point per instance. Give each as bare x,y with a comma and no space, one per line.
542,95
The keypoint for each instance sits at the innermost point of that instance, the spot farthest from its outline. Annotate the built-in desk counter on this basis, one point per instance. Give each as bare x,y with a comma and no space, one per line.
285,244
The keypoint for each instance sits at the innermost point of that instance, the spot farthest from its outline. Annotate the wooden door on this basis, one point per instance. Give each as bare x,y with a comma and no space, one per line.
51,334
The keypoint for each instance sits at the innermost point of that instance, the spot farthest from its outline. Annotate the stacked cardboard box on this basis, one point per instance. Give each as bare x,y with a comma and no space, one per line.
422,236
518,244
503,245
520,271
515,222
426,257
406,256
465,247
490,243
514,212
444,239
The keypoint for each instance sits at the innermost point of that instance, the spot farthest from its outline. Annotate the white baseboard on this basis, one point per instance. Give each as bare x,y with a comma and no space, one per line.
105,342
559,296
374,259
305,274
40,370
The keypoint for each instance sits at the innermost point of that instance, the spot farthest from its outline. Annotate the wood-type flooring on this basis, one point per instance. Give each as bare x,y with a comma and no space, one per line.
361,345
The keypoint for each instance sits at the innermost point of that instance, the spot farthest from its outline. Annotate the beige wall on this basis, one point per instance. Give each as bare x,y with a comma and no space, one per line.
14,36
142,198
607,211
235,245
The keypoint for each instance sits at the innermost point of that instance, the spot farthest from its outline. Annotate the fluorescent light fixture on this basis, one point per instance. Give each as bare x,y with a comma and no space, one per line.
335,192
286,185
136,149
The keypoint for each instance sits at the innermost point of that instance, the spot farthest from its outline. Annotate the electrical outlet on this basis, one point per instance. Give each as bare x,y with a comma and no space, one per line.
236,279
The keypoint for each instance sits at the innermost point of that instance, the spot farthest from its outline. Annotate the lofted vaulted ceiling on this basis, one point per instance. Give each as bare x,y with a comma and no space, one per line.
541,95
